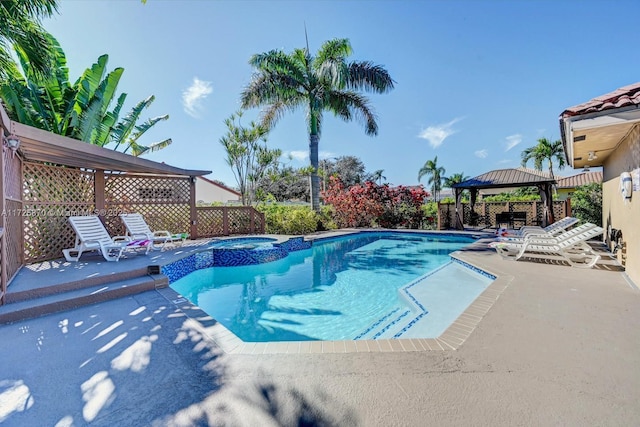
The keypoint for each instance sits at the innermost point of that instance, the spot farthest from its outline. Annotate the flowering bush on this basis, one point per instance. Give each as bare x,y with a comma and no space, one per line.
369,205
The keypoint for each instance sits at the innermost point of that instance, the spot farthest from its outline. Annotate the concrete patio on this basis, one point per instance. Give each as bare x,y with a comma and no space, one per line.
559,347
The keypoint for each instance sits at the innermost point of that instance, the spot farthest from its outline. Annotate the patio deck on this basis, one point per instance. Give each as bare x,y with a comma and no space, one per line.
559,346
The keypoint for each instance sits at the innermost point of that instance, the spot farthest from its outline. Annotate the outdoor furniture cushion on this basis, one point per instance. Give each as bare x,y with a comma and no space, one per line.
137,228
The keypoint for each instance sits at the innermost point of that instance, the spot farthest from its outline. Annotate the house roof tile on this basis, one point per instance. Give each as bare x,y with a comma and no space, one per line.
622,97
580,179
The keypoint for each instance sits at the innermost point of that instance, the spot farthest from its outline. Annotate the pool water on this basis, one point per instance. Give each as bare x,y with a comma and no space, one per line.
244,243
341,288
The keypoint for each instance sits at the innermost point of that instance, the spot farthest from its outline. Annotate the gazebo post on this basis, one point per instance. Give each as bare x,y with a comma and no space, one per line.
545,191
459,223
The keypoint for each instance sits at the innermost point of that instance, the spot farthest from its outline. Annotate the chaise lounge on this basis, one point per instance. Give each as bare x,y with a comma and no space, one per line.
137,228
570,246
550,230
92,236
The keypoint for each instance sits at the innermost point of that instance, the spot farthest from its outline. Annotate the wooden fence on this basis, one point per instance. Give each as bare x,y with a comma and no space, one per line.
484,213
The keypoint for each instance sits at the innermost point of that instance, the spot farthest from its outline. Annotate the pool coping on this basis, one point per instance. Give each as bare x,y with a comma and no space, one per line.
451,339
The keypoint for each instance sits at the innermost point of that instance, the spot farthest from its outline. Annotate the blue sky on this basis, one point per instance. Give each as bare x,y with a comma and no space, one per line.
476,81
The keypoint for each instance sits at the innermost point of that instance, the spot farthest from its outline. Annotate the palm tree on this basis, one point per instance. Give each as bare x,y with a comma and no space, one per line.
80,110
21,30
434,173
377,176
544,151
456,178
327,82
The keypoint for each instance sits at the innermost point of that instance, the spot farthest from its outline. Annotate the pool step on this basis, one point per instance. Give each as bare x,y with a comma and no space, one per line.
42,305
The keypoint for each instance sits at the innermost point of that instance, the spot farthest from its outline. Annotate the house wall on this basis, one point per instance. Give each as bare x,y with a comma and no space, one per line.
563,193
621,214
208,193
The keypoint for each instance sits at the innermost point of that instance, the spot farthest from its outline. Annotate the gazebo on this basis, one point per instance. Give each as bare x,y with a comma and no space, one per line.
505,178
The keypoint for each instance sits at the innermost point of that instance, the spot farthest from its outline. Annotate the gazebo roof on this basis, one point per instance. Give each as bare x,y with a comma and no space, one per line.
504,178
43,146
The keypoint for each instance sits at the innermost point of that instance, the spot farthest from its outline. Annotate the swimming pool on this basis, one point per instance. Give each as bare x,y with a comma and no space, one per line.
363,286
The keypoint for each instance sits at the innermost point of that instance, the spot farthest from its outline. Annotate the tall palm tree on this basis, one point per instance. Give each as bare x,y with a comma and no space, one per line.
325,82
80,110
20,29
544,151
435,174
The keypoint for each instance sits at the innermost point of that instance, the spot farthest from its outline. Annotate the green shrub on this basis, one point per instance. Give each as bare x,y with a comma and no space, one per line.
586,203
284,219
430,212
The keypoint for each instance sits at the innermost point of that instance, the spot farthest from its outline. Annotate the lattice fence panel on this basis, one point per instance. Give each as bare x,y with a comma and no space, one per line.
493,209
13,234
12,178
239,221
173,218
259,222
48,232
526,207
210,221
51,194
128,189
12,181
56,185
559,209
447,215
162,201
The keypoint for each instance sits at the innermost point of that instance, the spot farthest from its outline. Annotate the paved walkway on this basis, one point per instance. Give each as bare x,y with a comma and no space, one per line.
559,347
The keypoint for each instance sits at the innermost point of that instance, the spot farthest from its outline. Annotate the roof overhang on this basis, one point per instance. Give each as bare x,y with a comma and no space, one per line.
39,145
598,133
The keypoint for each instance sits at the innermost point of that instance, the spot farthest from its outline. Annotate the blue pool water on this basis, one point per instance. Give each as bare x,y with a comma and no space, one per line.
244,243
353,287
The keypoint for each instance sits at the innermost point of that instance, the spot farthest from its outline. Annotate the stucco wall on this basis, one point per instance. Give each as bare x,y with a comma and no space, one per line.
621,214
208,193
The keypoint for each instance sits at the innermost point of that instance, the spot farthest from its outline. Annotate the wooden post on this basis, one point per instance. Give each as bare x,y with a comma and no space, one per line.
252,222
3,240
193,214
225,221
98,192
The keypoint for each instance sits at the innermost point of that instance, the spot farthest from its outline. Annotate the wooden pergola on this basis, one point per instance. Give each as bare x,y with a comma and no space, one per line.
46,178
506,178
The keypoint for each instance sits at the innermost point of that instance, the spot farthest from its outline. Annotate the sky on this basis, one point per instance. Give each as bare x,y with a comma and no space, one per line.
476,82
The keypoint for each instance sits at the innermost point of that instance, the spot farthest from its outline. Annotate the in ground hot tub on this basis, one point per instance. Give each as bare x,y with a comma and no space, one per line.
246,251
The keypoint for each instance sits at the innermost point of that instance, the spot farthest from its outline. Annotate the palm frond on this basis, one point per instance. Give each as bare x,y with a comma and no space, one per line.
334,50
88,82
358,105
364,75
123,129
138,150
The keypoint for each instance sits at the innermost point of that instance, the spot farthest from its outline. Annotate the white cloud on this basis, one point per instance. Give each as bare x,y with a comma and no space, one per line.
326,155
298,155
512,141
436,134
192,97
483,154
303,156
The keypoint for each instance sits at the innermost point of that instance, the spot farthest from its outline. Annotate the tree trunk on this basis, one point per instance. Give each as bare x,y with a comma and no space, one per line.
315,179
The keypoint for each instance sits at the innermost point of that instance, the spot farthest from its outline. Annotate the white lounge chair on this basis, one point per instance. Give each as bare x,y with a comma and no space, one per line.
550,230
569,247
137,228
92,236
565,234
